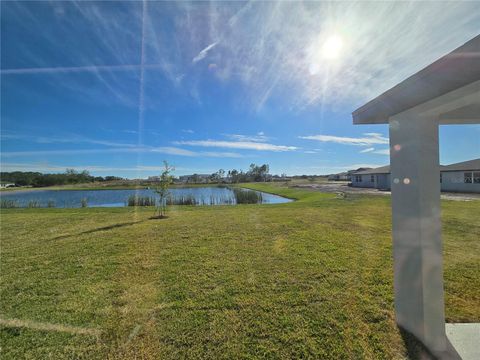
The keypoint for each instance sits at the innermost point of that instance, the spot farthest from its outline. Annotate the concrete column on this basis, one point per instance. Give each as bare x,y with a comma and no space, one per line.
417,242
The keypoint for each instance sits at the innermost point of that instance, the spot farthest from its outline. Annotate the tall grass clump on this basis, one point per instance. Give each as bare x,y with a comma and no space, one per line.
51,204
33,204
134,200
182,200
8,204
243,196
84,203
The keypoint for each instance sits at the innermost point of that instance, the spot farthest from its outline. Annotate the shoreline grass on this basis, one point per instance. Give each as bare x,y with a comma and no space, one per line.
305,279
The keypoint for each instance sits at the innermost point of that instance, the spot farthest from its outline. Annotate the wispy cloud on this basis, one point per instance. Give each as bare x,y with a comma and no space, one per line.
259,137
202,54
368,139
169,150
367,150
244,145
279,55
382,152
66,139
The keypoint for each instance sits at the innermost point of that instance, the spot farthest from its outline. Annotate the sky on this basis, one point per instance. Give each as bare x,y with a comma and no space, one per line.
117,87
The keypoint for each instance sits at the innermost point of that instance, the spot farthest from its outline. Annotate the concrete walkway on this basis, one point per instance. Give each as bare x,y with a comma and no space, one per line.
466,339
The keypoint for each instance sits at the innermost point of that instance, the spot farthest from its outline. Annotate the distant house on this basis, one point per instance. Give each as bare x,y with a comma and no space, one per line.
461,177
344,176
195,178
378,178
458,177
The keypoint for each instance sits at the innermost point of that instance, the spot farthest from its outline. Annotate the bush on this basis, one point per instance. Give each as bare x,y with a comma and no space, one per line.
84,203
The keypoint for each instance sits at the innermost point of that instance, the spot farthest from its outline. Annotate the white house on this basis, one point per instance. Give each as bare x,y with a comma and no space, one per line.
459,177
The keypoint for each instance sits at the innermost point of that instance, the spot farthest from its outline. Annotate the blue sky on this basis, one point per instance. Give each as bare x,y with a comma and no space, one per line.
118,87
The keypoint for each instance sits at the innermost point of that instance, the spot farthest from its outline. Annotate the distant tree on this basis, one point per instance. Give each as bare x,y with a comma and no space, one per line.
263,172
234,176
213,177
112,178
258,173
162,189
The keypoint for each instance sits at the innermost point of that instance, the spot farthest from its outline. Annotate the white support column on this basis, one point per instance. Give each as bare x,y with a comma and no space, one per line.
417,243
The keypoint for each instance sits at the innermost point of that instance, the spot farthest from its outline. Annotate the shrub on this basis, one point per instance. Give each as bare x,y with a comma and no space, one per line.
84,203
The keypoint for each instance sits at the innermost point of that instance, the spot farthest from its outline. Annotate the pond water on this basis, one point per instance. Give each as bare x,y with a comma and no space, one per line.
115,198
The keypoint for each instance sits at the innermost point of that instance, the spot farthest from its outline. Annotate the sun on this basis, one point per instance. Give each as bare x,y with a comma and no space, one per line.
332,47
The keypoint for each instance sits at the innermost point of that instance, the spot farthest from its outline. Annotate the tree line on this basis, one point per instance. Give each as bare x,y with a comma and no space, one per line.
254,173
36,179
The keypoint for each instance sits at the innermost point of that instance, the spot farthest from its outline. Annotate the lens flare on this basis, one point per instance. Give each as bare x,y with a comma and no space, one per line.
332,48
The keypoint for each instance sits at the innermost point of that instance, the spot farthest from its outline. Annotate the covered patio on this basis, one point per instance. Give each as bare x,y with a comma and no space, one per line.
445,92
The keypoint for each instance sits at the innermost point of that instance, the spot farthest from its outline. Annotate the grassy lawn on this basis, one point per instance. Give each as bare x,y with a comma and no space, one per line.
308,279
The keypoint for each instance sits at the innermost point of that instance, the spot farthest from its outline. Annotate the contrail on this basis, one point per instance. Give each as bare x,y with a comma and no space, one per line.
49,70
69,69
201,55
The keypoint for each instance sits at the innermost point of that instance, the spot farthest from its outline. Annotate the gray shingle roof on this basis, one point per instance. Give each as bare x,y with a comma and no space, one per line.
379,170
473,165
470,165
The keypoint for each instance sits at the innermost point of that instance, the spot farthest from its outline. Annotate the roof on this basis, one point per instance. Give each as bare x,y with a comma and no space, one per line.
472,165
456,69
379,170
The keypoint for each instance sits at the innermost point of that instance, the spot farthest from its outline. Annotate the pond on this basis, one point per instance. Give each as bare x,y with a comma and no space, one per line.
116,198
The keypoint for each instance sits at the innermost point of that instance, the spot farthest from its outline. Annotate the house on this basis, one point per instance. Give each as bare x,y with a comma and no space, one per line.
194,178
345,176
378,178
459,177
153,179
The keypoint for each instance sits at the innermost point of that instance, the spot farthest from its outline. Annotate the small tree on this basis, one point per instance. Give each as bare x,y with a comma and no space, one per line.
162,189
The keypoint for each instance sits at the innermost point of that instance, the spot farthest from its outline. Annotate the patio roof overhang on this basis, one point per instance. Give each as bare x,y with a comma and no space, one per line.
445,92
457,70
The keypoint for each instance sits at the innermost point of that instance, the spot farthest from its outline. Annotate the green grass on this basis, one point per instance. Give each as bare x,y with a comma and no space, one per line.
307,279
